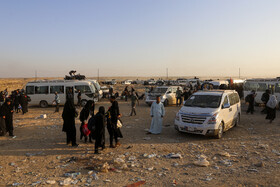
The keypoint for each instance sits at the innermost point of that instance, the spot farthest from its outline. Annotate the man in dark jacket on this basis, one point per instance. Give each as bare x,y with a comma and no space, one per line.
113,116
251,100
265,98
99,130
7,114
68,115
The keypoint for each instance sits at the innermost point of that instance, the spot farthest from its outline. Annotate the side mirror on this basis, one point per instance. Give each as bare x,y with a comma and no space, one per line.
226,105
169,92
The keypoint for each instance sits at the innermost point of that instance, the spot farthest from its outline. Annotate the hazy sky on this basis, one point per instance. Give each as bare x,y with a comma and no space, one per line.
140,37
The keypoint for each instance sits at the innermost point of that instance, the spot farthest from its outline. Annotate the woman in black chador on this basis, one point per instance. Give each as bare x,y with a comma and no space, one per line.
68,115
99,129
113,115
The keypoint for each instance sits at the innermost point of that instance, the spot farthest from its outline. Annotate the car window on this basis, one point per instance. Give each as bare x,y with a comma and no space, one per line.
225,100
41,89
29,90
58,89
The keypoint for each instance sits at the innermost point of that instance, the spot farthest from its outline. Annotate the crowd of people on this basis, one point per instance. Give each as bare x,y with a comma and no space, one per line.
16,101
92,125
270,103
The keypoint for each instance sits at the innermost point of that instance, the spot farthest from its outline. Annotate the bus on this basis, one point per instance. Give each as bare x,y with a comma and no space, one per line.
42,93
260,85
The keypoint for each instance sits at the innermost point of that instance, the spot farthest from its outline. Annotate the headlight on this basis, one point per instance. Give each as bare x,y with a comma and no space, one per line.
177,117
213,119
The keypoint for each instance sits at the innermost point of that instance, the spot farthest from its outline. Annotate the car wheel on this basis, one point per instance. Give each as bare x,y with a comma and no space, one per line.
83,102
165,103
220,131
44,104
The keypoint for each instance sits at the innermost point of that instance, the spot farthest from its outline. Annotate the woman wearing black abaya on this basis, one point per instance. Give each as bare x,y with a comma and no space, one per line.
99,131
68,115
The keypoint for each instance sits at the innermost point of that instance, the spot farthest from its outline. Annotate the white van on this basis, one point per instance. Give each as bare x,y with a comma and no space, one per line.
97,86
42,92
209,113
167,95
260,86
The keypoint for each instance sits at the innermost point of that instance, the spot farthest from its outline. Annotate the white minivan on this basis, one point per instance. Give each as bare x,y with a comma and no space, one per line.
42,93
209,113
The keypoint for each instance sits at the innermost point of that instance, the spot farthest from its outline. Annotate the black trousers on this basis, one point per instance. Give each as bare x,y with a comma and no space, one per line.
71,137
113,134
179,101
9,126
251,108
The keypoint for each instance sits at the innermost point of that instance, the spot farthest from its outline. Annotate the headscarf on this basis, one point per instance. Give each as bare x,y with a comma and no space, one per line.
272,102
101,110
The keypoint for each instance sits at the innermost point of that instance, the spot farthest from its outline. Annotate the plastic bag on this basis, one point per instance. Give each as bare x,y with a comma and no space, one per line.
119,124
85,129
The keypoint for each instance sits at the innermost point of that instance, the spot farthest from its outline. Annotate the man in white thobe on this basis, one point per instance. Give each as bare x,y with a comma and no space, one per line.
157,113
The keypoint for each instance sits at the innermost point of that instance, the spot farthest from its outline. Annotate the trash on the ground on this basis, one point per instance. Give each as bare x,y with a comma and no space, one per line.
132,158
173,155
260,164
43,116
252,170
72,174
139,183
12,164
105,168
50,182
146,138
226,162
202,162
263,146
225,154
66,182
95,177
150,169
17,184
107,180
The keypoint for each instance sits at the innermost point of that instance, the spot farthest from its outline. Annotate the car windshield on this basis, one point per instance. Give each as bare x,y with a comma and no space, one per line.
204,101
159,90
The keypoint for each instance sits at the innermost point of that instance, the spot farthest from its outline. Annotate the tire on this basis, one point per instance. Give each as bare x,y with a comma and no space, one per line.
44,104
165,103
83,102
220,132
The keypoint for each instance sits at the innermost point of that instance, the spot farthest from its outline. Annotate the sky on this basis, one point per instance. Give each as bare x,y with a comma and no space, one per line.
140,38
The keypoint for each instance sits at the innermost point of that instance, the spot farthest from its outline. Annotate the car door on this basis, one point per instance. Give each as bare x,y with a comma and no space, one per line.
233,109
226,113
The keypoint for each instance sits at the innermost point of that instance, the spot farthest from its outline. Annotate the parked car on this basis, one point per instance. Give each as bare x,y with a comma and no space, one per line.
209,113
127,82
167,95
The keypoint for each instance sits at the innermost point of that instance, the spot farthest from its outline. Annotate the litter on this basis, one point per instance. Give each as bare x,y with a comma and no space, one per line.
202,163
43,116
50,182
174,156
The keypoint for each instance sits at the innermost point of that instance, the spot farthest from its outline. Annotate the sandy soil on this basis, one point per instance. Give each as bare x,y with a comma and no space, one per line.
39,154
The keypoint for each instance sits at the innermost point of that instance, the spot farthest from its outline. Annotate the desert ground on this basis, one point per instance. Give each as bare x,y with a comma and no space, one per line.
247,155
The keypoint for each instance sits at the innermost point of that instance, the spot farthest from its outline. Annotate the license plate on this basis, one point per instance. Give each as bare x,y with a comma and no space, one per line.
190,129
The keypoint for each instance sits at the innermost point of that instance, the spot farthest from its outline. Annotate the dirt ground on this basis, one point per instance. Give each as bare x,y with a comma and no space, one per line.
247,155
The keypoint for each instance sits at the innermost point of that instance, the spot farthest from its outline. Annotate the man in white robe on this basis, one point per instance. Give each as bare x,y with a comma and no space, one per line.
157,113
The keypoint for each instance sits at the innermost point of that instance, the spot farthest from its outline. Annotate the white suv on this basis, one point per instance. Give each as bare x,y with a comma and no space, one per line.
209,113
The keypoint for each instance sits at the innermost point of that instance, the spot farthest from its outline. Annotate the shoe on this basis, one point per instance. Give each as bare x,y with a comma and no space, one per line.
96,152
90,141
75,145
112,146
148,133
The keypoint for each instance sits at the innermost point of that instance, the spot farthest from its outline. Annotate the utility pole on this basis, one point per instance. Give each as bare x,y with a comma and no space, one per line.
239,73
